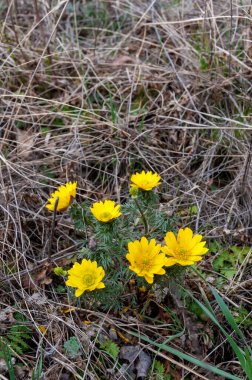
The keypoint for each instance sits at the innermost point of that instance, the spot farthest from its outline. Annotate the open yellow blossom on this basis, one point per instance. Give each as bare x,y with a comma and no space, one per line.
145,258
184,250
66,194
146,180
105,211
85,276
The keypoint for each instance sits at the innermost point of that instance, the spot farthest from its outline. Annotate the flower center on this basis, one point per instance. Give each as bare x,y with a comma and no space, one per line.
148,182
88,279
181,254
106,215
146,264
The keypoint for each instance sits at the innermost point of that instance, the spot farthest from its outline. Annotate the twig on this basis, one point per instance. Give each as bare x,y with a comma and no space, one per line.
230,37
52,228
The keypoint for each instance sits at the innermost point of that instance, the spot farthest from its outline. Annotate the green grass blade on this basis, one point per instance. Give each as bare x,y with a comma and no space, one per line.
248,368
37,376
239,353
228,315
188,358
40,367
7,357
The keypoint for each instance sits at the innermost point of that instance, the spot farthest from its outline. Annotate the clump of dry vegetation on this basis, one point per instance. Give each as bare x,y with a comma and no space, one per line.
93,91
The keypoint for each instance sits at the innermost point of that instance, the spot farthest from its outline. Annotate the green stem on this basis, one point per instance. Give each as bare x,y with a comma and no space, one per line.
86,221
143,216
52,228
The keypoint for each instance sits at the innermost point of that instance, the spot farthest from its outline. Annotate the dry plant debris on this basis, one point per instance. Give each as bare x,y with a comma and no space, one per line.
91,92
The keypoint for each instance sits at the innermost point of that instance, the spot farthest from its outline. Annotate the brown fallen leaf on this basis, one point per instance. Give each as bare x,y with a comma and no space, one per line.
25,143
40,277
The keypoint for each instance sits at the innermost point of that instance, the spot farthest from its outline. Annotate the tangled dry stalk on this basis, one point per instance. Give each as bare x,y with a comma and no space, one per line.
92,90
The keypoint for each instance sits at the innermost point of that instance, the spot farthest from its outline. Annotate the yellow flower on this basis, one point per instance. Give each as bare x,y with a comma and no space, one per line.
66,194
105,211
85,276
145,180
145,258
186,249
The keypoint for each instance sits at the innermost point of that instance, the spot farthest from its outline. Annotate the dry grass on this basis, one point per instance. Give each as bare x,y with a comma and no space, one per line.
93,90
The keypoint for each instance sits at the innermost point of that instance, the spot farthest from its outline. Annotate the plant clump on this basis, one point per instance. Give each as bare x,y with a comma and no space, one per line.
128,242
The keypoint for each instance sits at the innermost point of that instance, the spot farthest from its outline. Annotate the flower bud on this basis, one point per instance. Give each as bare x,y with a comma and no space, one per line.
134,191
59,271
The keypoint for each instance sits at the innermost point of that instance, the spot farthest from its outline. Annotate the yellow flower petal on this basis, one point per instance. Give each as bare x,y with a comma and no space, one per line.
195,240
199,249
65,194
105,211
144,243
170,240
184,262
149,279
79,292
86,276
168,251
170,262
196,258
145,258
101,285
145,180
42,329
188,234
184,250
161,271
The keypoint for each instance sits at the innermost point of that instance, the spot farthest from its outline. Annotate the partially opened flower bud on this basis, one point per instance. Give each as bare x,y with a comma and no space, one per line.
134,191
59,271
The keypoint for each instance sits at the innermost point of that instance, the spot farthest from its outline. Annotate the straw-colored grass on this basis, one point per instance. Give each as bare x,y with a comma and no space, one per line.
91,91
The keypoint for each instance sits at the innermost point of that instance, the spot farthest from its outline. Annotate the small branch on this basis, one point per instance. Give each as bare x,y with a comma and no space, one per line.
52,229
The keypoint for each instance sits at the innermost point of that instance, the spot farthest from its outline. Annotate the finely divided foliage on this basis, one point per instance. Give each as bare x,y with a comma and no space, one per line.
145,257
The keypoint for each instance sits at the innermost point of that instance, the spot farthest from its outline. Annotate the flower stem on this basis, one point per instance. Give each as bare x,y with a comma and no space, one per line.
143,216
52,228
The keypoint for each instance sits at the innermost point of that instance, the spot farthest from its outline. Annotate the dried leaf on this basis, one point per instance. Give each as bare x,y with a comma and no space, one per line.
46,281
25,143
143,365
130,353
7,315
135,354
38,299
